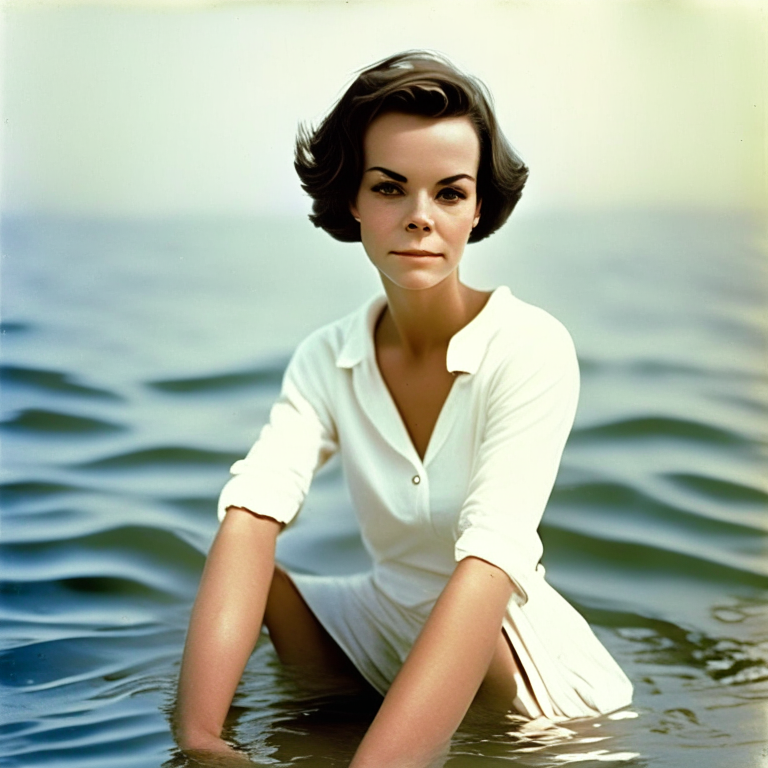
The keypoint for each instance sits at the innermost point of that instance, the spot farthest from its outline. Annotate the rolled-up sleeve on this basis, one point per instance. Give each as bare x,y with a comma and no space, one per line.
300,436
530,410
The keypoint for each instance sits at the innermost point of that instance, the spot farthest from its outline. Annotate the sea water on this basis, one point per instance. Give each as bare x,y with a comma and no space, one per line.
140,359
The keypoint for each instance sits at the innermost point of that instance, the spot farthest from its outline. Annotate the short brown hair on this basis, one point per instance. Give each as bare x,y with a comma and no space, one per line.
329,159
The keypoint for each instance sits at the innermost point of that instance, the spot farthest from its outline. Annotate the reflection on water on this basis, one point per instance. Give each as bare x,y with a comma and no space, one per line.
139,361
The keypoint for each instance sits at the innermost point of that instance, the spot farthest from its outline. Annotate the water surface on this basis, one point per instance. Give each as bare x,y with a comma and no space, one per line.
140,360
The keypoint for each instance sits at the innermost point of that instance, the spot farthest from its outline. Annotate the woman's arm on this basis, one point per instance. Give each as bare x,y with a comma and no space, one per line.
440,677
224,627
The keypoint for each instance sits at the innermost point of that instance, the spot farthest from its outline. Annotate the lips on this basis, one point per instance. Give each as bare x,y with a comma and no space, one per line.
418,254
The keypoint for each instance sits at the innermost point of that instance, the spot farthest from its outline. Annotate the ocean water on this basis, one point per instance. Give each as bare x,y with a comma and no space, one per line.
139,360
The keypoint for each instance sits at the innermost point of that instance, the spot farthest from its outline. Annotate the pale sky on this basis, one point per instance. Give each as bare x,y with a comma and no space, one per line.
154,109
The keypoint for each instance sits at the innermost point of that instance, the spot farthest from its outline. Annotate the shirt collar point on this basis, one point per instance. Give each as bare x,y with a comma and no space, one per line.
468,347
346,361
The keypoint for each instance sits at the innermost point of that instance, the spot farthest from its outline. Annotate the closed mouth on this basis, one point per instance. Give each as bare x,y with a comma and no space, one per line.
423,254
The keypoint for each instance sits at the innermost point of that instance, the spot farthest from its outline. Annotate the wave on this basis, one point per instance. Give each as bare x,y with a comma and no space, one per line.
165,456
664,427
39,420
265,375
51,381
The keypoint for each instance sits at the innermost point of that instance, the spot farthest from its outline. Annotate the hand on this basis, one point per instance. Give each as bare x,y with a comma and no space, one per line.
212,752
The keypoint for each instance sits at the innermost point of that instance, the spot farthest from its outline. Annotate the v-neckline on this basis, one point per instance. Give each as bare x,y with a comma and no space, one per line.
422,460
399,436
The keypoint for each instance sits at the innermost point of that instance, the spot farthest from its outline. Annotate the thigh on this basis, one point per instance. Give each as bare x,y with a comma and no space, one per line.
505,686
499,687
299,638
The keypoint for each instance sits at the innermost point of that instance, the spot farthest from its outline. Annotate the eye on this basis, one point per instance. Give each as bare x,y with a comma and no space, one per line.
451,195
386,188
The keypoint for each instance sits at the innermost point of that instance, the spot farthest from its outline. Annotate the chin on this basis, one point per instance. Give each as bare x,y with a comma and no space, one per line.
416,282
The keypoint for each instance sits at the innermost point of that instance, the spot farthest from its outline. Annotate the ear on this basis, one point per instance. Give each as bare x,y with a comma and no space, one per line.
354,212
477,214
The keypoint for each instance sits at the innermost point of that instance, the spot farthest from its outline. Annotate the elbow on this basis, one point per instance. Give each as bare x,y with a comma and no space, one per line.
487,577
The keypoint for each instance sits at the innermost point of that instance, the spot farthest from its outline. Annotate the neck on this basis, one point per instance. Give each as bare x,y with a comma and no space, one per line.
423,322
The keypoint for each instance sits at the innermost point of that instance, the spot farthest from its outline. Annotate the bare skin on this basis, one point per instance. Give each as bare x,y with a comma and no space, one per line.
223,633
414,227
433,691
223,629
417,378
299,638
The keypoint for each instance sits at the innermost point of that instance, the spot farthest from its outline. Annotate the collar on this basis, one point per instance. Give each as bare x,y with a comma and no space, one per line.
466,348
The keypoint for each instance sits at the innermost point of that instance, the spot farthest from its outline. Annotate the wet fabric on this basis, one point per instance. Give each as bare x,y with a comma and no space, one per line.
480,491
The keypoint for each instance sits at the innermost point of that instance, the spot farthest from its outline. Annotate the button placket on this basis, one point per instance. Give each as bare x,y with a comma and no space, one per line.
420,489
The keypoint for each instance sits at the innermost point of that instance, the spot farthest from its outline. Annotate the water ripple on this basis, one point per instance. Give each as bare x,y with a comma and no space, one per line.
166,456
22,492
574,549
713,488
51,381
658,427
39,420
156,559
267,374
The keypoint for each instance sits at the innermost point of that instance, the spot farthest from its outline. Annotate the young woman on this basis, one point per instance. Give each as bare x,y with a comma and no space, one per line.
450,408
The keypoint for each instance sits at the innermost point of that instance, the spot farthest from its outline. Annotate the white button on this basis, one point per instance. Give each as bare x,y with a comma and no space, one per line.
415,479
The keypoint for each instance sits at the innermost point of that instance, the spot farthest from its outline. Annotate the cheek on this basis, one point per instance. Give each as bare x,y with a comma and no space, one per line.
373,231
461,226
377,219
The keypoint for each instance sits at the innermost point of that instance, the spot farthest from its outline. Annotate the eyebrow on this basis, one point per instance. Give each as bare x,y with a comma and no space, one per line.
401,178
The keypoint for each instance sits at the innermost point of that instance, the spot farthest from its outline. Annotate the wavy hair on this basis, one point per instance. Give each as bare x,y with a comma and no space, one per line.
329,158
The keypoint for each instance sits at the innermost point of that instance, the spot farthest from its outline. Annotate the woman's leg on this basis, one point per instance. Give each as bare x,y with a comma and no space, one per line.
298,637
505,686
300,640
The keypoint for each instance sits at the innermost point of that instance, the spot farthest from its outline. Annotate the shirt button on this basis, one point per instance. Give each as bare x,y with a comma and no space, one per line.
415,479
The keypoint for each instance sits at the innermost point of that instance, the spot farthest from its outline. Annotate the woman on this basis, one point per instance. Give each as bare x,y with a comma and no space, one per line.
450,408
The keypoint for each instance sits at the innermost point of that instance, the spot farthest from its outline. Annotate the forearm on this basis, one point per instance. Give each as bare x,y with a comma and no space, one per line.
432,692
225,624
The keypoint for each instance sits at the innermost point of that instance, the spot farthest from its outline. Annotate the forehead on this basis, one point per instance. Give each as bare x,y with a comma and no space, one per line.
401,139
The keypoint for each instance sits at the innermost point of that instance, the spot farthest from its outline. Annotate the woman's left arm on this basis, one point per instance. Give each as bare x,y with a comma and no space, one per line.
530,409
433,690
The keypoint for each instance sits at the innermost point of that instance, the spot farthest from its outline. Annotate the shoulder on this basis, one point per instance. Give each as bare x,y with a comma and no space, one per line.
323,349
324,343
527,333
531,361
530,355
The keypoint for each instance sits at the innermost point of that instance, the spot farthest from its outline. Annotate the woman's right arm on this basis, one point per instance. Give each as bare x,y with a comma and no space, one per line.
224,627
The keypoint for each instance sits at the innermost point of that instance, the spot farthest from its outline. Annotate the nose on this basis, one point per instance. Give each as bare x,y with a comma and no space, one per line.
419,217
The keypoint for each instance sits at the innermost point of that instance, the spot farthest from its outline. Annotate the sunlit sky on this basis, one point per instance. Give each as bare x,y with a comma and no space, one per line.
172,108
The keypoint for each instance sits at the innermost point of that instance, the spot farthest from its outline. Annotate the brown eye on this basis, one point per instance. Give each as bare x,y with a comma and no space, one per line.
386,188
451,195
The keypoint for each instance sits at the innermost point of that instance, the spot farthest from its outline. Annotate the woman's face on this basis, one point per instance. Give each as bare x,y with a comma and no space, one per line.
417,202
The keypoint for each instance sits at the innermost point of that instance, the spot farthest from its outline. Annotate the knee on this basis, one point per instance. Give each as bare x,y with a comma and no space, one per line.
281,594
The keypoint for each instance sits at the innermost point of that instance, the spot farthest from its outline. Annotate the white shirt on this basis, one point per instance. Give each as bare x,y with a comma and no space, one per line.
480,491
